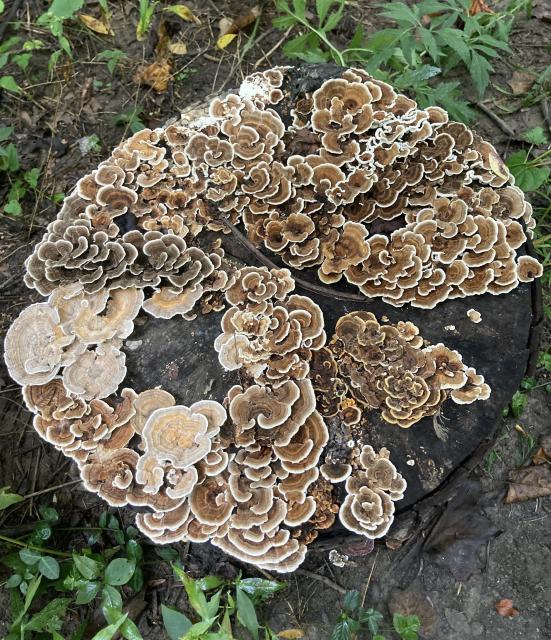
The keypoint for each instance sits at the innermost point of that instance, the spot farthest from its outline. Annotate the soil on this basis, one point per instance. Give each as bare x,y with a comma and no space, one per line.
501,551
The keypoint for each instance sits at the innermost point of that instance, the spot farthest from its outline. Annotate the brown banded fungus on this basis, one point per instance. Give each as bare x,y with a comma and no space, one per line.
387,368
362,184
348,178
368,508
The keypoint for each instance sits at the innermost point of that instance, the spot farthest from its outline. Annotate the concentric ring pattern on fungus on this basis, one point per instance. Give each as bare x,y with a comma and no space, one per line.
350,180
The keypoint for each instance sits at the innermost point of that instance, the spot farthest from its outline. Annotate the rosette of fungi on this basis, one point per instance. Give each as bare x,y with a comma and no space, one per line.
352,179
342,176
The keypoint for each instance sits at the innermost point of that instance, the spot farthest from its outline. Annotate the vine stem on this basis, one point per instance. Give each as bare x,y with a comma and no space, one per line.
18,543
327,292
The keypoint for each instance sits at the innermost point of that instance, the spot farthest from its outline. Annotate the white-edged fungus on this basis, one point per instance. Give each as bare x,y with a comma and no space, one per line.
348,178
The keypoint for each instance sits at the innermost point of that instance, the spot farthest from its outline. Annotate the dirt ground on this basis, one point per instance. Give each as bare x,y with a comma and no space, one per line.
496,550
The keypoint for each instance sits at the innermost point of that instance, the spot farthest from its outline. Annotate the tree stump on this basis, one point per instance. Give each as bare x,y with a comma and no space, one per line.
502,347
180,356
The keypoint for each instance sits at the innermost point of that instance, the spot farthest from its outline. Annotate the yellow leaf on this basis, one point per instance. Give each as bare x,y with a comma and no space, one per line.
291,634
98,26
497,165
177,48
183,12
225,40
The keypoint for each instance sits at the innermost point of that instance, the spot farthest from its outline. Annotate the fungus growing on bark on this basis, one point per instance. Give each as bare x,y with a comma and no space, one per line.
368,508
34,345
345,177
385,367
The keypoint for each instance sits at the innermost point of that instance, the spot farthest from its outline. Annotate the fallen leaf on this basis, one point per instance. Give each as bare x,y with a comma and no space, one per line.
479,6
461,530
183,12
521,82
177,48
225,40
529,483
357,548
156,75
505,608
95,25
543,454
229,25
225,25
291,634
497,165
413,602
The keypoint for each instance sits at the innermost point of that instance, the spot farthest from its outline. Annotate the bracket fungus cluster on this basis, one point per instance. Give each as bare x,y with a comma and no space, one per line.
344,176
387,367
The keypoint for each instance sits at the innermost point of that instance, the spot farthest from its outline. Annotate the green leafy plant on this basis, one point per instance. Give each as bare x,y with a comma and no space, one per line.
131,119
82,576
516,406
431,38
355,622
20,182
530,171
219,604
147,9
113,58
54,19
7,498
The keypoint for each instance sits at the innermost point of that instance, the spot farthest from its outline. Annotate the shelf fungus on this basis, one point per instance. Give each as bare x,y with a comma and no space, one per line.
342,178
386,368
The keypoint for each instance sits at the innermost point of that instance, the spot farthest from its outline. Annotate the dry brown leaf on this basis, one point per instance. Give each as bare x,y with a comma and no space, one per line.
479,6
177,48
362,547
228,25
543,454
95,25
460,531
505,608
156,75
291,634
225,40
529,483
521,82
184,12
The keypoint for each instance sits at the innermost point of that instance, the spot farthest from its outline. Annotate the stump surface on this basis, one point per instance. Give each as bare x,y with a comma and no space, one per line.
179,355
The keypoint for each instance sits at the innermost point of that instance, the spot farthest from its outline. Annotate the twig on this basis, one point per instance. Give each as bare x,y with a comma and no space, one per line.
266,56
369,578
18,543
7,19
327,292
497,120
546,113
57,486
326,581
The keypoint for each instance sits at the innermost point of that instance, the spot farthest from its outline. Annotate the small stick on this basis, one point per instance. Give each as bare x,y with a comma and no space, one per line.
546,113
497,120
326,581
266,56
369,578
327,292
267,575
57,486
